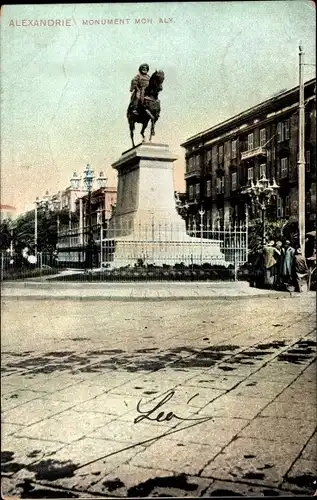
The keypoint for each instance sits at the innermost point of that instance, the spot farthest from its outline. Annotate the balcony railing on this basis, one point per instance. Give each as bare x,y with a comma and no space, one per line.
194,172
260,151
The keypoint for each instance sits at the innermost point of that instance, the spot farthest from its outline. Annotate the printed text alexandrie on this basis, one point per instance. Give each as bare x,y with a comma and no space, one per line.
40,22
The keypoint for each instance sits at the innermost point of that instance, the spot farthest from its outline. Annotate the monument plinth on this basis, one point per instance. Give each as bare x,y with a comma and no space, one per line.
146,225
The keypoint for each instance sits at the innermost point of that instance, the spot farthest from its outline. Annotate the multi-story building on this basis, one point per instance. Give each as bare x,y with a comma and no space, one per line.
263,140
73,237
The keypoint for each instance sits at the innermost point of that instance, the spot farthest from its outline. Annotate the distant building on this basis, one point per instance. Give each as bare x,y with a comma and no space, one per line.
72,238
224,159
7,212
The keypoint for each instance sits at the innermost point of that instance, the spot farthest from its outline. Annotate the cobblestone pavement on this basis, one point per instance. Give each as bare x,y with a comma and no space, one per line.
74,372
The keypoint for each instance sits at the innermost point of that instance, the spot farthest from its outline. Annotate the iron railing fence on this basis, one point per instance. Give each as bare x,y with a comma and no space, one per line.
152,251
16,266
128,247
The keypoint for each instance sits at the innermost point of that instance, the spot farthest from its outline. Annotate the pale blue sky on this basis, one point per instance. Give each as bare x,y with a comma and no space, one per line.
65,90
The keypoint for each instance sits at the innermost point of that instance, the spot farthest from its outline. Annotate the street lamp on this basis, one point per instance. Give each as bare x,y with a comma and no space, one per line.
100,222
201,213
102,180
261,194
37,201
88,181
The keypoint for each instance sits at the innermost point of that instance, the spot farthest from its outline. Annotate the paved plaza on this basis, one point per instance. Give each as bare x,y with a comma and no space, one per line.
85,384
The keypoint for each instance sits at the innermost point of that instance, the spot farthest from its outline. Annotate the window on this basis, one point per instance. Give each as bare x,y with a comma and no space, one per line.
250,141
191,192
197,189
190,164
220,154
279,207
279,132
263,170
262,136
286,207
234,149
283,131
284,167
307,161
234,181
208,188
220,185
208,157
250,174
209,218
286,129
273,154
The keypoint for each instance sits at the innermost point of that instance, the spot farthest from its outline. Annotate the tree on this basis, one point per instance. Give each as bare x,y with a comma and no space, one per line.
5,234
24,231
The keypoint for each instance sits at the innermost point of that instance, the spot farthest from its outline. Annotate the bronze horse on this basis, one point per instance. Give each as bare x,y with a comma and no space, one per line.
149,109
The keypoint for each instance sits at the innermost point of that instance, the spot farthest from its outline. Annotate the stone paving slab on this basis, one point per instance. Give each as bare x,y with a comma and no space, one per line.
71,429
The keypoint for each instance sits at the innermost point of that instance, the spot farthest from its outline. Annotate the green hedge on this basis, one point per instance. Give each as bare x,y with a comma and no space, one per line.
199,273
23,274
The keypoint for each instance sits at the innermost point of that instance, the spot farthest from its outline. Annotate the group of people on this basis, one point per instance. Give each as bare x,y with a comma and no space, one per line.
280,266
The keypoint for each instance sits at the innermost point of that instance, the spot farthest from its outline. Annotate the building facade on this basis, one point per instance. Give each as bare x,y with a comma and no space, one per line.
263,140
84,213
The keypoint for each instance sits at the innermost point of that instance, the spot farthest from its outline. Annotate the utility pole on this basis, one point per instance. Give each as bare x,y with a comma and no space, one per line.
35,226
301,153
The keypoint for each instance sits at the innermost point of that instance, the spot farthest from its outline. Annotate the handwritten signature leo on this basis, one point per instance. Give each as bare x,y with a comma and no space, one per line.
153,415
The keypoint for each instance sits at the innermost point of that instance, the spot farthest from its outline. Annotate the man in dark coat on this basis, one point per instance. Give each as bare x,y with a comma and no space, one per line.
288,265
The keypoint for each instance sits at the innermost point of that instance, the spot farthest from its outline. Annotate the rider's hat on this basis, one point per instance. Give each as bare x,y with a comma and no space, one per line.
144,65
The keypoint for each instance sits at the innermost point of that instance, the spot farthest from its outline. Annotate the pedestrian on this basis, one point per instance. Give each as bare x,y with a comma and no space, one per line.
300,270
270,257
278,266
288,265
258,268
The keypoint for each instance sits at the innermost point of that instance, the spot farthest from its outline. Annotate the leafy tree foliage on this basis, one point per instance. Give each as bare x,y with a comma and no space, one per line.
24,228
5,234
276,230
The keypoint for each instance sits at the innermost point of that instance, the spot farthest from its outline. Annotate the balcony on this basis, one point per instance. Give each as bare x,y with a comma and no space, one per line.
251,153
194,172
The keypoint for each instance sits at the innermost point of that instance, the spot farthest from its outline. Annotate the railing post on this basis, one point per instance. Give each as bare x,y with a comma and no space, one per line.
247,231
235,252
2,265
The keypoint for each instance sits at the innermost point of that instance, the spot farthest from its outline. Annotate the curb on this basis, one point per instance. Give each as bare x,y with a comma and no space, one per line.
125,298
121,284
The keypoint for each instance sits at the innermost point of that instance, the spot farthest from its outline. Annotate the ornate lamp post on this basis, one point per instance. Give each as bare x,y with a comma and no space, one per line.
88,181
36,203
261,194
88,178
75,182
201,213
102,182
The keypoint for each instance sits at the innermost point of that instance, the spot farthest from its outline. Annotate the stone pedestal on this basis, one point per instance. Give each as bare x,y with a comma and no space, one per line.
146,225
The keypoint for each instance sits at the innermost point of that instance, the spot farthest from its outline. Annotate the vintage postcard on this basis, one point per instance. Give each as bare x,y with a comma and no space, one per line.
158,249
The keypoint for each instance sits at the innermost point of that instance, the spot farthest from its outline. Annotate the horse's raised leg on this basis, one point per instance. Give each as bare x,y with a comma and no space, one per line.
145,124
143,130
152,133
131,124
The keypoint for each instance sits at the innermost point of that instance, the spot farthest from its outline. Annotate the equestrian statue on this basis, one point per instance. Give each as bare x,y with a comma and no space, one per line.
144,104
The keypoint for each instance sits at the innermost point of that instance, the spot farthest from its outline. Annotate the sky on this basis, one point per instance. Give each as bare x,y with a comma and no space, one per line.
65,89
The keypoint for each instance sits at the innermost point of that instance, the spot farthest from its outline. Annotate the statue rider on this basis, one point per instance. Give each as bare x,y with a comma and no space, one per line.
138,86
